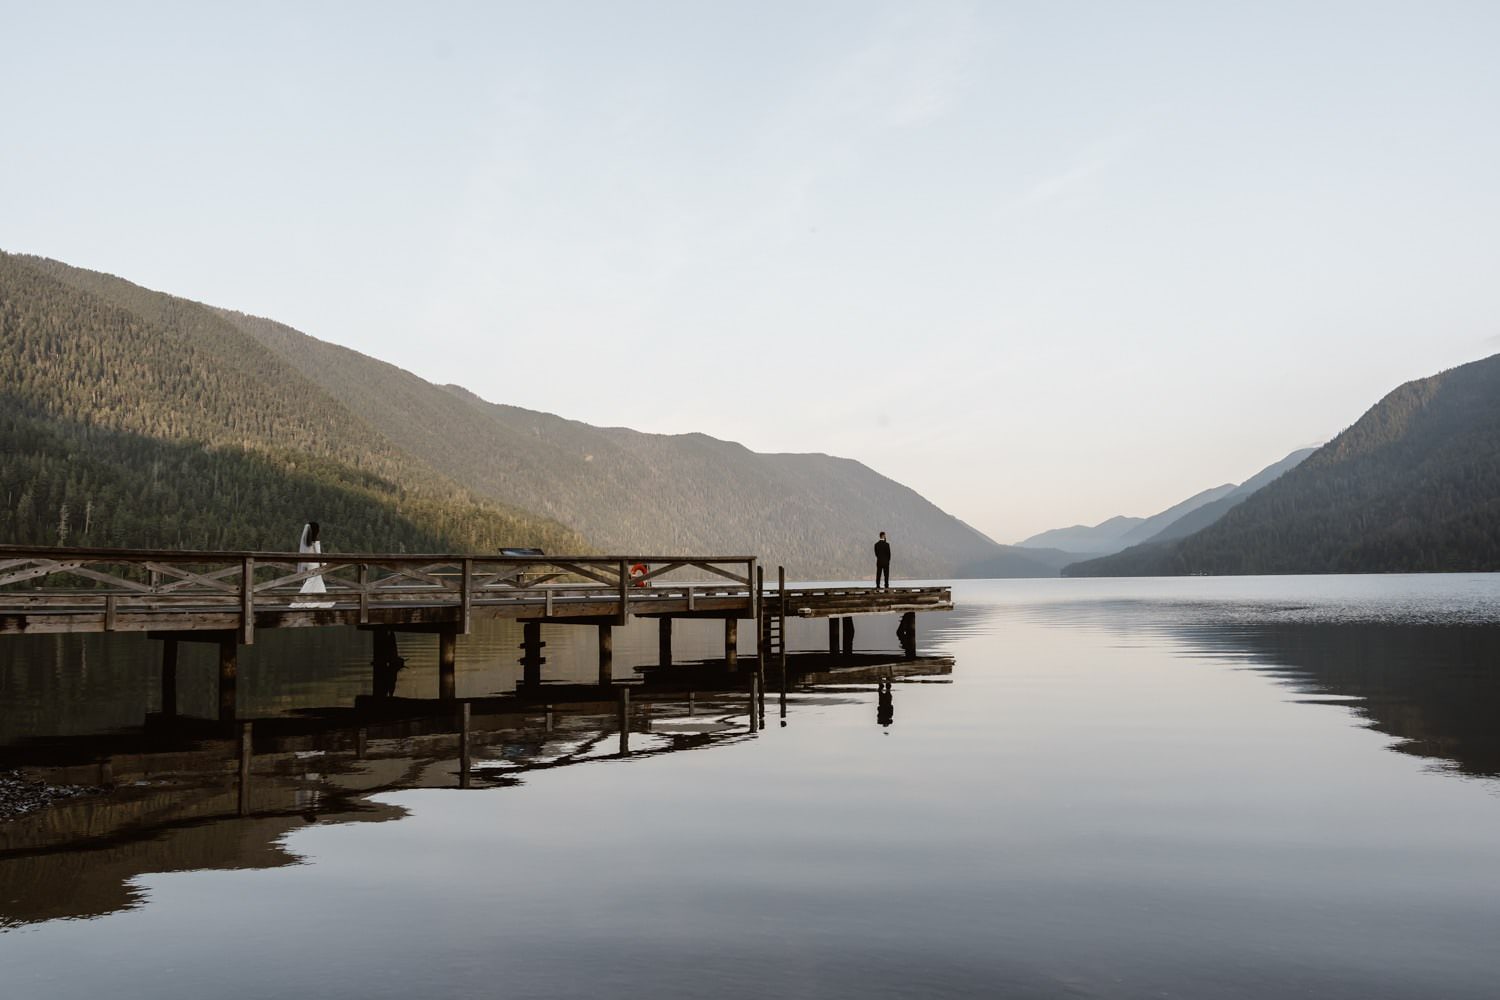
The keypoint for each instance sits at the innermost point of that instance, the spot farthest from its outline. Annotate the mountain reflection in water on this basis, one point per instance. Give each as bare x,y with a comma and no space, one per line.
1130,789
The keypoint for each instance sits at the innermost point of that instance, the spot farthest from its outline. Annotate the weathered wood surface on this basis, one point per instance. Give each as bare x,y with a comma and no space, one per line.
62,590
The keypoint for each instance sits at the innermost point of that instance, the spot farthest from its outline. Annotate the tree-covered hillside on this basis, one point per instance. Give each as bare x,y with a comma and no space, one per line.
1413,486
623,489
130,417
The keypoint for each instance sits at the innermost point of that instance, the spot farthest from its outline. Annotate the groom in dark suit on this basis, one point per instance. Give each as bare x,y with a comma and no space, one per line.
882,561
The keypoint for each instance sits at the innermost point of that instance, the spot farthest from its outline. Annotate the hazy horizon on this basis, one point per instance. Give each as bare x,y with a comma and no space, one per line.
1045,264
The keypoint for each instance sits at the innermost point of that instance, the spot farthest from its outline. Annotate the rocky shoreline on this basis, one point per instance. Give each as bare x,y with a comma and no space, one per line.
20,795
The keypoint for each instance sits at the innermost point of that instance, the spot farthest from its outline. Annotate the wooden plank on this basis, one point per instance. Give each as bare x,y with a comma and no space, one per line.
578,570
720,572
22,575
211,581
114,581
652,574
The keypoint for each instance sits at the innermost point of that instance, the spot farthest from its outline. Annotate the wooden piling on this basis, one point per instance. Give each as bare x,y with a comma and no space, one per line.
664,641
848,635
754,706
169,678
246,749
531,655
463,746
906,633
624,713
606,654
448,664
833,636
228,677
732,644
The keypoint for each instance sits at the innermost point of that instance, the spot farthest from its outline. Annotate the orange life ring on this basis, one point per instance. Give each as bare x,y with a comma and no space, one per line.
638,575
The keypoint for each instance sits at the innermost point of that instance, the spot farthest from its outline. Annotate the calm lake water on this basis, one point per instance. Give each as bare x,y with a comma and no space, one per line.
1193,788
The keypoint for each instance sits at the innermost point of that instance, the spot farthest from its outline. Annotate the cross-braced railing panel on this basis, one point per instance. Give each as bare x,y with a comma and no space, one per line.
249,583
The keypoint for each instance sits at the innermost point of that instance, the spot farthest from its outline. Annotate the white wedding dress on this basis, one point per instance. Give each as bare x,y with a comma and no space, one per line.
313,584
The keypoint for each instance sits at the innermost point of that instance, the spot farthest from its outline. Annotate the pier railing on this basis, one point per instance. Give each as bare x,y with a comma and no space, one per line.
122,584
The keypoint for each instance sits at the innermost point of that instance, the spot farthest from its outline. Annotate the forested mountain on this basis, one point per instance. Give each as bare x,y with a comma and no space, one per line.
1412,486
1158,522
132,417
129,417
1197,520
625,490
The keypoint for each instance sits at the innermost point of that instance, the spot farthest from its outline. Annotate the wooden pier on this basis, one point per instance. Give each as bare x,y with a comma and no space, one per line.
226,598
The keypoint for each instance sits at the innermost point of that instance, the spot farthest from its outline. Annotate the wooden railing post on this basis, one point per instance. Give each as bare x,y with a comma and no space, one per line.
364,593
624,593
757,606
247,601
781,614
466,597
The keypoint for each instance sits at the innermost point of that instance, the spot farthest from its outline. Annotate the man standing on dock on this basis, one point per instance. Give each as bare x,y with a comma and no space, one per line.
882,561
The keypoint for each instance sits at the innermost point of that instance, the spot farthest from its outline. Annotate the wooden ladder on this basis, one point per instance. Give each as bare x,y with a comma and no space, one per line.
772,641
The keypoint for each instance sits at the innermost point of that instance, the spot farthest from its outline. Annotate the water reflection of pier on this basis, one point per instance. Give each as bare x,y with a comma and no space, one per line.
182,797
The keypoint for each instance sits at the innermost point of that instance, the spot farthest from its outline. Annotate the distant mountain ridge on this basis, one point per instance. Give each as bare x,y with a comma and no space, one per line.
1121,532
1412,486
1098,538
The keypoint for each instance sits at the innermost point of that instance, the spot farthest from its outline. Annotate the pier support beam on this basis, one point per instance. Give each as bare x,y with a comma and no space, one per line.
247,749
906,633
606,654
448,664
228,677
848,635
664,641
833,636
624,713
463,746
169,678
531,655
732,643
385,663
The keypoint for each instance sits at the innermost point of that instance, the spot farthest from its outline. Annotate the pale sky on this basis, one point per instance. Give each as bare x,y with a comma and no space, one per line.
1043,262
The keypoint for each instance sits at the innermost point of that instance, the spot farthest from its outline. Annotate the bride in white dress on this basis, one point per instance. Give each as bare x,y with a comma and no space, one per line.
310,545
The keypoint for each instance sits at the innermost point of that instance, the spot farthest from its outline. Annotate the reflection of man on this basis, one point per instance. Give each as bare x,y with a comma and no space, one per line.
882,561
885,710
